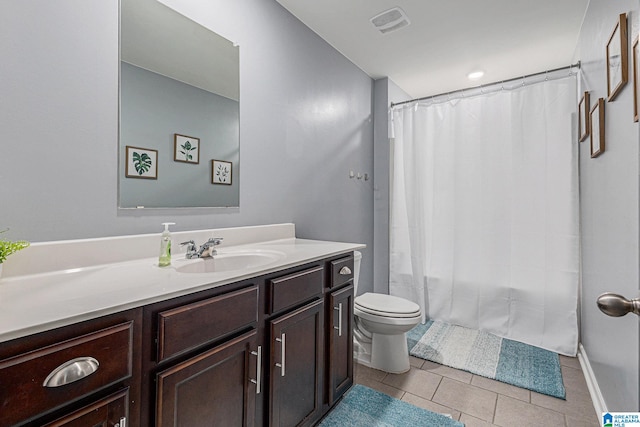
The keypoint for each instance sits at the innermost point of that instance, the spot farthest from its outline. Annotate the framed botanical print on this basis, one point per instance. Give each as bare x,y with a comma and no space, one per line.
221,172
583,117
186,149
141,163
596,120
636,78
617,62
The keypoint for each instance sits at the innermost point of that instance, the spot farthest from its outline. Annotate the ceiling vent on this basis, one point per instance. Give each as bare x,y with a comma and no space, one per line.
390,20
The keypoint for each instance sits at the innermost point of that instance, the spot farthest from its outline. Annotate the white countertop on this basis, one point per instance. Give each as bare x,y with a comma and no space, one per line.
32,303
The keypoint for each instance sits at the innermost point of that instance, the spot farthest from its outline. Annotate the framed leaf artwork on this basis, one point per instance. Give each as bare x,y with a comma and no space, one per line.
583,117
141,163
617,61
596,120
186,149
221,172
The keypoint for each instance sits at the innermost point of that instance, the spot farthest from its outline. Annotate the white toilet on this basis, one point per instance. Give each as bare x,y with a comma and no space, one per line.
381,323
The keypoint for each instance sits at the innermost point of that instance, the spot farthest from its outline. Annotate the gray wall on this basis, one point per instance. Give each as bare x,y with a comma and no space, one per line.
305,121
152,109
609,197
385,92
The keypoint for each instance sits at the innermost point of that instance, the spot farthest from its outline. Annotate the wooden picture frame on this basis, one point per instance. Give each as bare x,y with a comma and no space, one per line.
186,149
636,55
617,61
221,172
596,119
583,117
141,163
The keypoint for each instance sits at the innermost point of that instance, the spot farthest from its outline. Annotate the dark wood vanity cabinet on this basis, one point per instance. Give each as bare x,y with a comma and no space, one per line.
73,375
213,388
273,350
340,343
339,336
201,358
110,411
311,364
296,366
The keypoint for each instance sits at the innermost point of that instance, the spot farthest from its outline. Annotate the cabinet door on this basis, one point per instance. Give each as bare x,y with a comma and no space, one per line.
214,388
297,366
38,381
340,311
110,411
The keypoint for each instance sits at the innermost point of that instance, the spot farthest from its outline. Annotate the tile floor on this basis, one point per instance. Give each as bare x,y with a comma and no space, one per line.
478,401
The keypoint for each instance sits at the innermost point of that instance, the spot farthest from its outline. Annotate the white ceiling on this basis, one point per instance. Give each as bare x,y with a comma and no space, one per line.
447,39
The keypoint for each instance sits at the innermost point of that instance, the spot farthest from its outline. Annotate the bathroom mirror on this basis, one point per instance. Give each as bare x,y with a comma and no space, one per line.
179,111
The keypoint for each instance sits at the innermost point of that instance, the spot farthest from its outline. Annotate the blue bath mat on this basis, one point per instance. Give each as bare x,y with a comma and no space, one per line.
364,407
488,355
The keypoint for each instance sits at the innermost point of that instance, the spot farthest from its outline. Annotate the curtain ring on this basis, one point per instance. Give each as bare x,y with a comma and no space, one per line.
502,85
546,76
522,81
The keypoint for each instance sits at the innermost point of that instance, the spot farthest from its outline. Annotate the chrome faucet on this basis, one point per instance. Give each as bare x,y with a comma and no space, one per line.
207,250
191,249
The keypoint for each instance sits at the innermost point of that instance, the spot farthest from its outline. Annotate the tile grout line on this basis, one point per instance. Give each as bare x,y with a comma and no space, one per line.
495,409
435,390
528,400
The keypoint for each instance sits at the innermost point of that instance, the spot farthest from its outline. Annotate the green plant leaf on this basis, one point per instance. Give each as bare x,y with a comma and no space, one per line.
8,247
142,162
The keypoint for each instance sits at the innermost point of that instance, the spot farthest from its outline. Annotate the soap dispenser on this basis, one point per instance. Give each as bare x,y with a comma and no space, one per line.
165,246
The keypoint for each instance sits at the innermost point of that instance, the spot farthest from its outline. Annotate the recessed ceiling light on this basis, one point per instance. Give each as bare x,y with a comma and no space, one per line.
475,75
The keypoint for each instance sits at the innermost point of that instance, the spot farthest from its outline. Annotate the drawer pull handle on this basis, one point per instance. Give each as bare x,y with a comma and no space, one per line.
283,352
71,371
258,379
345,271
339,327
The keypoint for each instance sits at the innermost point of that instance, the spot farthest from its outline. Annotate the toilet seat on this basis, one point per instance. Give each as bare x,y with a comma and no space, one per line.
386,306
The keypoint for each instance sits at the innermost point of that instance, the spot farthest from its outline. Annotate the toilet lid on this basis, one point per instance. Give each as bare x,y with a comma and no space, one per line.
386,305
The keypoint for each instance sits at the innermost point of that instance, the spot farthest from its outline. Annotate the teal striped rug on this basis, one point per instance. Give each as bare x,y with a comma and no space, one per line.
488,355
364,407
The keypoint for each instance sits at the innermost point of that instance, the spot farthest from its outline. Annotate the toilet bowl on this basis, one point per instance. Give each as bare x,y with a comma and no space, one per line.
380,326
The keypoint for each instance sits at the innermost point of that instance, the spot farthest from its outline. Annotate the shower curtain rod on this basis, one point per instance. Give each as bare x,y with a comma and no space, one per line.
568,67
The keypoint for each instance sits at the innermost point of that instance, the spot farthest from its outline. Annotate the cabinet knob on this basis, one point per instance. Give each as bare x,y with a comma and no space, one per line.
71,371
345,271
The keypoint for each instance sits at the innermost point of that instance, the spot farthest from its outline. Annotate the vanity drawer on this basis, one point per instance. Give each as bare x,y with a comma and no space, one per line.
341,271
192,325
287,291
23,393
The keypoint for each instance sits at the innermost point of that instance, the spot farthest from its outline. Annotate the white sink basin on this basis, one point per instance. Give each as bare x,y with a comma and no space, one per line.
230,261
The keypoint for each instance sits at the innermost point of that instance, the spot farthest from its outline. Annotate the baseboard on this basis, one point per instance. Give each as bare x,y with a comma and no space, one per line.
592,384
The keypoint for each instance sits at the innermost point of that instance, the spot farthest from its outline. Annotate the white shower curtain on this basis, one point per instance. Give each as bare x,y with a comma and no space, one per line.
484,212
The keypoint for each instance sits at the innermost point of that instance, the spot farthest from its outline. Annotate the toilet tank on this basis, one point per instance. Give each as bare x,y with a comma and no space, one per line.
357,258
